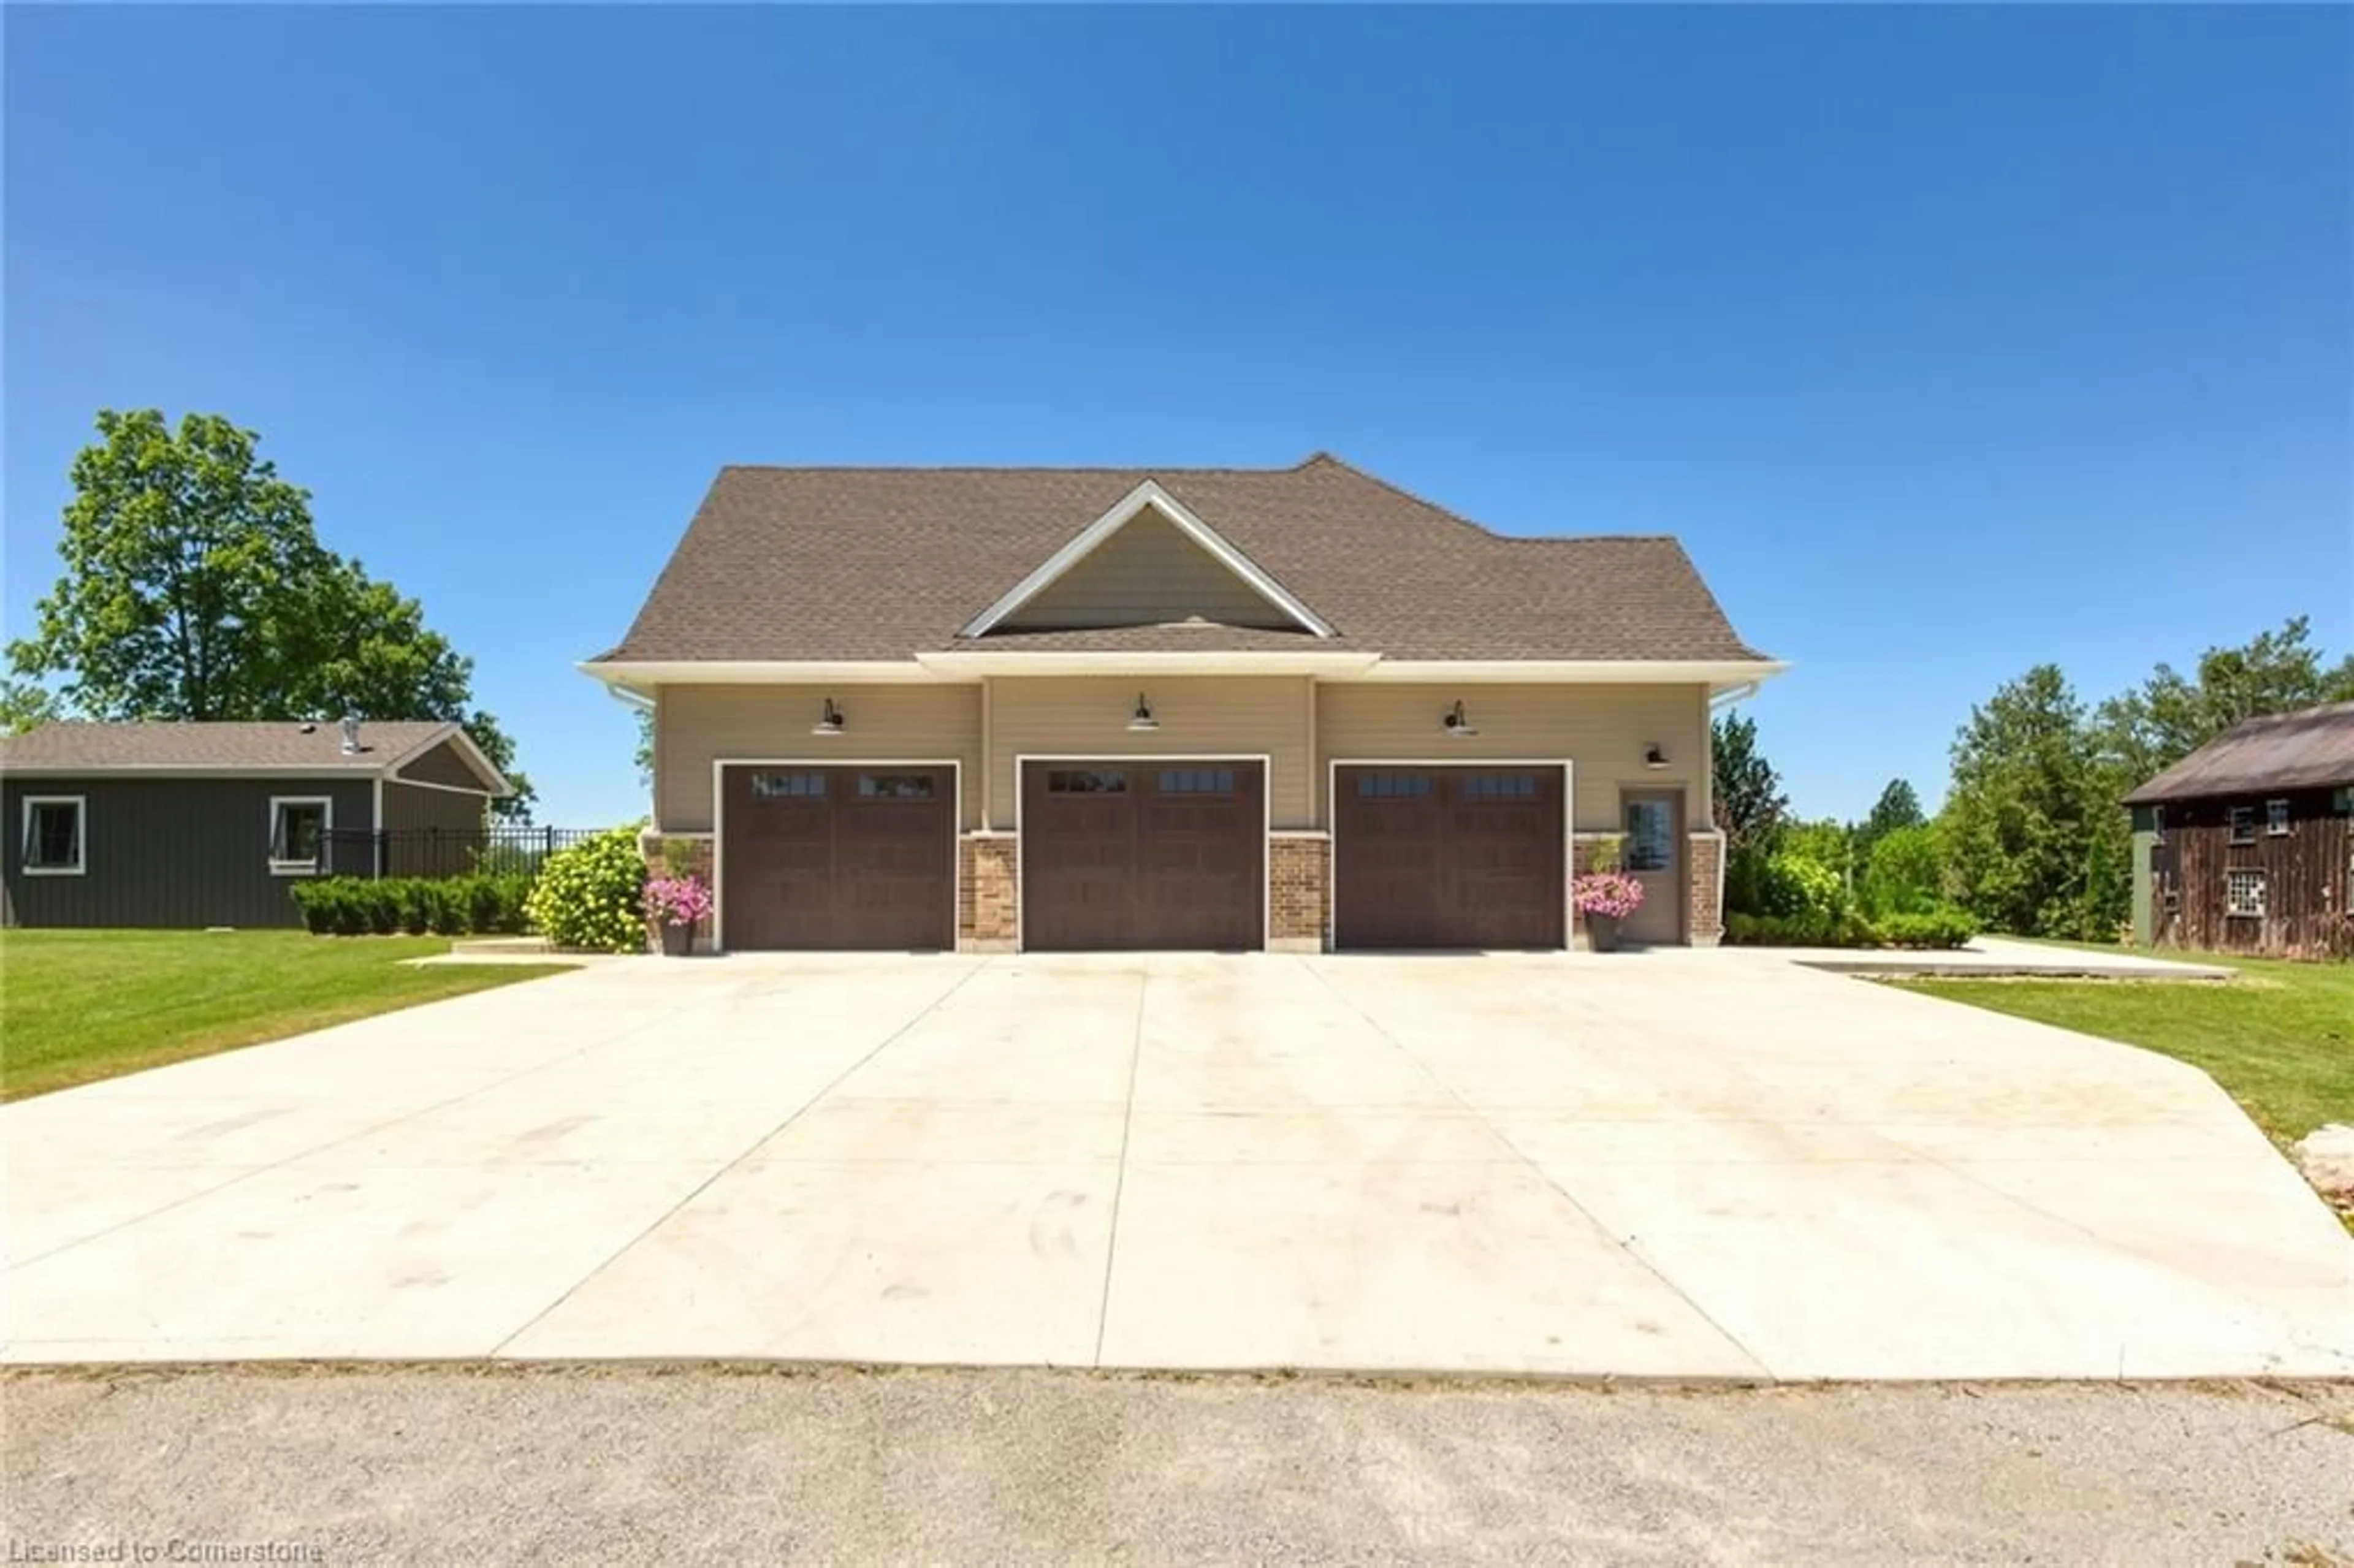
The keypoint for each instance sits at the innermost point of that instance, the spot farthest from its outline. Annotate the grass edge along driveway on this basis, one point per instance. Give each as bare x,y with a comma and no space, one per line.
79,1005
2280,1039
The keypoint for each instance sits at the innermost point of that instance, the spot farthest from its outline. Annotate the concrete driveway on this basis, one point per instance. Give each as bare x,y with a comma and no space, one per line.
1673,1163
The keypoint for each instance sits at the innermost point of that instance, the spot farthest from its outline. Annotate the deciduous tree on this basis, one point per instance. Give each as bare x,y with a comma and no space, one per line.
24,705
2169,716
196,587
2035,842
1750,805
1898,806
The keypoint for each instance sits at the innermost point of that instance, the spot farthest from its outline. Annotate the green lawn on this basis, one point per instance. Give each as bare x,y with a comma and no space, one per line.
2280,1039
80,1005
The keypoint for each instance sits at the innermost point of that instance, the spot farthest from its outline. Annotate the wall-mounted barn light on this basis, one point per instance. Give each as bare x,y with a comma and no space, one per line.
1457,723
1141,721
1654,758
830,720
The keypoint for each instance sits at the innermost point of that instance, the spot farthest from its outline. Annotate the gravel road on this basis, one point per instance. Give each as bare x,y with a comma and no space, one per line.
642,1464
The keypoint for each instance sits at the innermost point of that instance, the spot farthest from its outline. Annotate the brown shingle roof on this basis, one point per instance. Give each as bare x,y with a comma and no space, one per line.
2312,748
827,564
99,747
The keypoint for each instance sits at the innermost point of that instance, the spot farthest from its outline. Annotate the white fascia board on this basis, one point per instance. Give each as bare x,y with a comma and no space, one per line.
1148,494
1575,671
963,664
972,666
642,677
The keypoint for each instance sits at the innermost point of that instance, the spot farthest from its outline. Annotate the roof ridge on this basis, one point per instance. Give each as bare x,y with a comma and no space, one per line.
1142,468
2318,710
1482,528
1587,538
1397,489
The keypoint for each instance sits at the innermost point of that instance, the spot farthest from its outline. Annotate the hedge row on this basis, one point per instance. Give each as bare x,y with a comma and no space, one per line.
447,907
1849,929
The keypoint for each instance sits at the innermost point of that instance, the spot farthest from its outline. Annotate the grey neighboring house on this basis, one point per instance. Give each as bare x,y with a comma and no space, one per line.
208,825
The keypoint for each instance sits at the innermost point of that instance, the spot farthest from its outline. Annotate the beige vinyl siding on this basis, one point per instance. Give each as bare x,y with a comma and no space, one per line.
1147,574
1201,715
1604,730
694,726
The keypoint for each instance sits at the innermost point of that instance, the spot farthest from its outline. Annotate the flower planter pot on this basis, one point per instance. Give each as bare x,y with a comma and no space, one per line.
678,941
1602,933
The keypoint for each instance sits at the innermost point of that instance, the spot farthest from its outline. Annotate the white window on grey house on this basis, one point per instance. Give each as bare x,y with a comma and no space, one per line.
2275,819
2242,821
53,842
298,833
2243,894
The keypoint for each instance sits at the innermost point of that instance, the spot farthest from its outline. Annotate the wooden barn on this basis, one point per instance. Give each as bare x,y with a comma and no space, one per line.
2247,844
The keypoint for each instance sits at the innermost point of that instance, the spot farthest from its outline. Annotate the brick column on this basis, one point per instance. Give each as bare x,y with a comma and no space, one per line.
1704,852
1296,867
694,855
989,893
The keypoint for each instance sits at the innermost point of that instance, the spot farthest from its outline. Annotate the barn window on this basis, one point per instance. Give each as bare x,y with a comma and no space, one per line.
2244,825
53,835
2243,894
2276,819
298,833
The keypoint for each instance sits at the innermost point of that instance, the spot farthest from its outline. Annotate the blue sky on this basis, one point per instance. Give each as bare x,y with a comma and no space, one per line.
1949,340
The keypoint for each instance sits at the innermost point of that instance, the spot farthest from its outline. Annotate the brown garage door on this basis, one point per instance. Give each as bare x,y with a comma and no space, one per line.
1143,854
838,857
1447,857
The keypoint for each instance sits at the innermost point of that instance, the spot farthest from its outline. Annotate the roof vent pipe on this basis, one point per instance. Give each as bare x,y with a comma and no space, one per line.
351,734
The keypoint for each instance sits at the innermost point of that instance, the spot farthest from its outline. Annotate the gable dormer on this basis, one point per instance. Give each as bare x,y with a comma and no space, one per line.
1149,561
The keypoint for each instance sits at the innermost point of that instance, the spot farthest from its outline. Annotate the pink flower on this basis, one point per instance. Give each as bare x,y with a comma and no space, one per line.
676,900
1613,893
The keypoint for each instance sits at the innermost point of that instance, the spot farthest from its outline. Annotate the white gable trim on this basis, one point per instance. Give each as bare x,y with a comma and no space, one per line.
1147,494
472,755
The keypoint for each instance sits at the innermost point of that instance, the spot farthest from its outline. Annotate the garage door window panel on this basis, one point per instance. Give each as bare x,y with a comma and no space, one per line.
789,786
1197,781
1394,786
1068,781
894,786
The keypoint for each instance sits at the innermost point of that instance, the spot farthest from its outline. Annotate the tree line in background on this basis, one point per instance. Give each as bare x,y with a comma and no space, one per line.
196,587
2031,838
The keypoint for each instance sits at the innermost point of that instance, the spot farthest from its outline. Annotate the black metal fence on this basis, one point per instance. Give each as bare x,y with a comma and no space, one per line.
446,852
